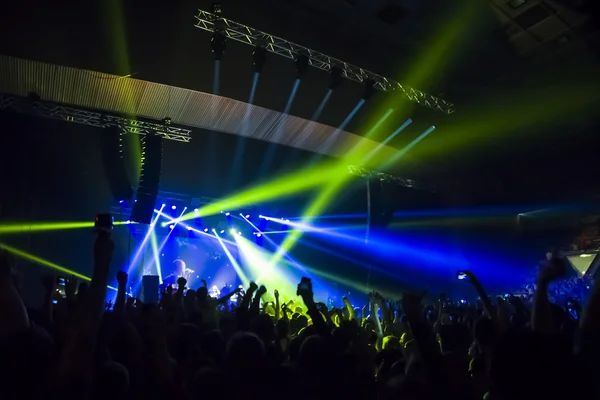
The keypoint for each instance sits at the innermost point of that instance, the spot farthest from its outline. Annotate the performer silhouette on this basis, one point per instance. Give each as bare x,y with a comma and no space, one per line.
179,270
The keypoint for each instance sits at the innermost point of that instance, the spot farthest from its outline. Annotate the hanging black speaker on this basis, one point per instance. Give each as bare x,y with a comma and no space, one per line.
113,161
381,209
152,151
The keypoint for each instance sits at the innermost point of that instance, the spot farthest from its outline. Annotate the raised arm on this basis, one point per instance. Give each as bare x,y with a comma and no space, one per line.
78,351
13,315
542,318
485,300
122,290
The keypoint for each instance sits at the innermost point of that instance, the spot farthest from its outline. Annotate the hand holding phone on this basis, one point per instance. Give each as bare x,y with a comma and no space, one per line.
304,287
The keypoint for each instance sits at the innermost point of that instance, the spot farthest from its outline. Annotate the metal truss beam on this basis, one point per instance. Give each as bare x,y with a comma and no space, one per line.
234,30
363,172
92,118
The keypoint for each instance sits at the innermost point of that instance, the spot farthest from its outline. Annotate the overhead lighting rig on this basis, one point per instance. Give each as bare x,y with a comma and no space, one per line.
236,31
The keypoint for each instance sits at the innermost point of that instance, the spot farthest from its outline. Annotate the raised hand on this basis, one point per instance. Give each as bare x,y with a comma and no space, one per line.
253,286
48,283
276,294
261,290
71,287
552,270
181,282
122,278
412,304
104,248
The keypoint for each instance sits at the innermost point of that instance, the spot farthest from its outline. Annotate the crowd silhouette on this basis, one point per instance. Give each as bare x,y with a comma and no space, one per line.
193,346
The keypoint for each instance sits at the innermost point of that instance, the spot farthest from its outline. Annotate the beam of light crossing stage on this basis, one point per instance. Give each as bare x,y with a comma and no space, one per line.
373,152
340,216
140,250
333,137
255,80
175,220
399,155
323,199
317,114
304,226
46,263
287,256
162,245
217,78
295,182
233,261
279,128
49,226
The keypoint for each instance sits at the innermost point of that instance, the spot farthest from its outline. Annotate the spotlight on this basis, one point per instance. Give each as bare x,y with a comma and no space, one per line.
163,204
218,44
196,210
287,220
216,7
247,215
259,56
121,201
336,77
206,229
227,214
302,63
369,89
258,234
222,231
171,226
189,229
128,222
240,233
167,121
260,216
173,207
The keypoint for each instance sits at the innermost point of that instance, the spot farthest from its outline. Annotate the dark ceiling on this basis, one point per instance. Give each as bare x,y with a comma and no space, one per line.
156,41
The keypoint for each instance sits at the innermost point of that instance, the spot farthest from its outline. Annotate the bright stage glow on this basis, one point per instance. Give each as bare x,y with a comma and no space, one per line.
171,226
173,207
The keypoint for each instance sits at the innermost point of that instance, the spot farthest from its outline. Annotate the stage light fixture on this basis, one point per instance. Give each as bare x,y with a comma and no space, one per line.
259,57
218,44
227,214
128,222
196,210
336,77
167,121
216,7
302,63
173,207
171,226
206,229
121,201
247,215
258,234
369,89
189,228
239,233
222,231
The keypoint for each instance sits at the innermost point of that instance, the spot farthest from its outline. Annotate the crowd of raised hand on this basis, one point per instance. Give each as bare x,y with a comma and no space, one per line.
192,346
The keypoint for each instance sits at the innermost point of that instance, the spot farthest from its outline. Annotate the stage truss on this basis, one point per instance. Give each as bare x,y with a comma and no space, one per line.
360,171
236,31
131,125
93,118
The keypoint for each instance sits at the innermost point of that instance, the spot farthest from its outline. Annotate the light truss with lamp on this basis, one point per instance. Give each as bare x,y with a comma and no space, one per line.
360,171
236,31
92,118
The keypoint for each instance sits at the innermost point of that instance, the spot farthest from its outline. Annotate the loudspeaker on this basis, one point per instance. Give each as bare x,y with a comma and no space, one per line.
381,208
152,151
113,161
150,289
